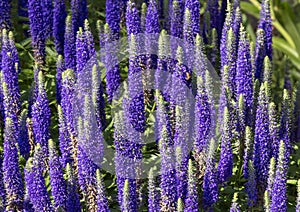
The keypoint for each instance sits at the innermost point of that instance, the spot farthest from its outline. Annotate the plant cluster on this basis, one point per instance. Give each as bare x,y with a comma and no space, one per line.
234,151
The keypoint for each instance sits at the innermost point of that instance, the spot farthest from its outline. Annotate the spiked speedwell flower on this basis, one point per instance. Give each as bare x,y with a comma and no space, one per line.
13,183
191,202
41,116
279,197
35,182
226,159
244,74
5,15
59,23
210,181
262,144
37,30
57,181
113,17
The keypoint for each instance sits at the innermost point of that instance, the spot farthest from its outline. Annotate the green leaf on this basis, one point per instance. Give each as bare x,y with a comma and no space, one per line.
283,46
50,52
290,26
250,9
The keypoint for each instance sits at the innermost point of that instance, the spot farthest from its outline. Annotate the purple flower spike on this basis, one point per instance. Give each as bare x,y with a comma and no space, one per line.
73,199
98,98
203,119
224,97
153,195
82,55
5,8
1,43
89,39
70,45
181,151
163,118
262,143
222,16
210,181
90,152
10,70
27,205
35,182
188,38
213,10
113,17
135,87
271,178
152,30
12,178
251,185
274,129
83,11
260,53
176,29
279,195
59,25
248,153
177,19
113,77
168,173
86,167
227,25
237,23
68,95
2,189
286,123
152,21
194,7
226,158
128,154
181,168
64,138
102,202
128,203
265,24
200,57
231,61
41,116
23,141
47,6
85,51
79,14
162,78
57,181
244,79
37,30
133,22
191,201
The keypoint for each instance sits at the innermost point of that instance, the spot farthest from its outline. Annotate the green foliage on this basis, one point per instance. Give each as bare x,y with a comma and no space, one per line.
286,26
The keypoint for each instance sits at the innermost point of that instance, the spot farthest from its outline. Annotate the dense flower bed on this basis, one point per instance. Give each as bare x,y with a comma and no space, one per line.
222,139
